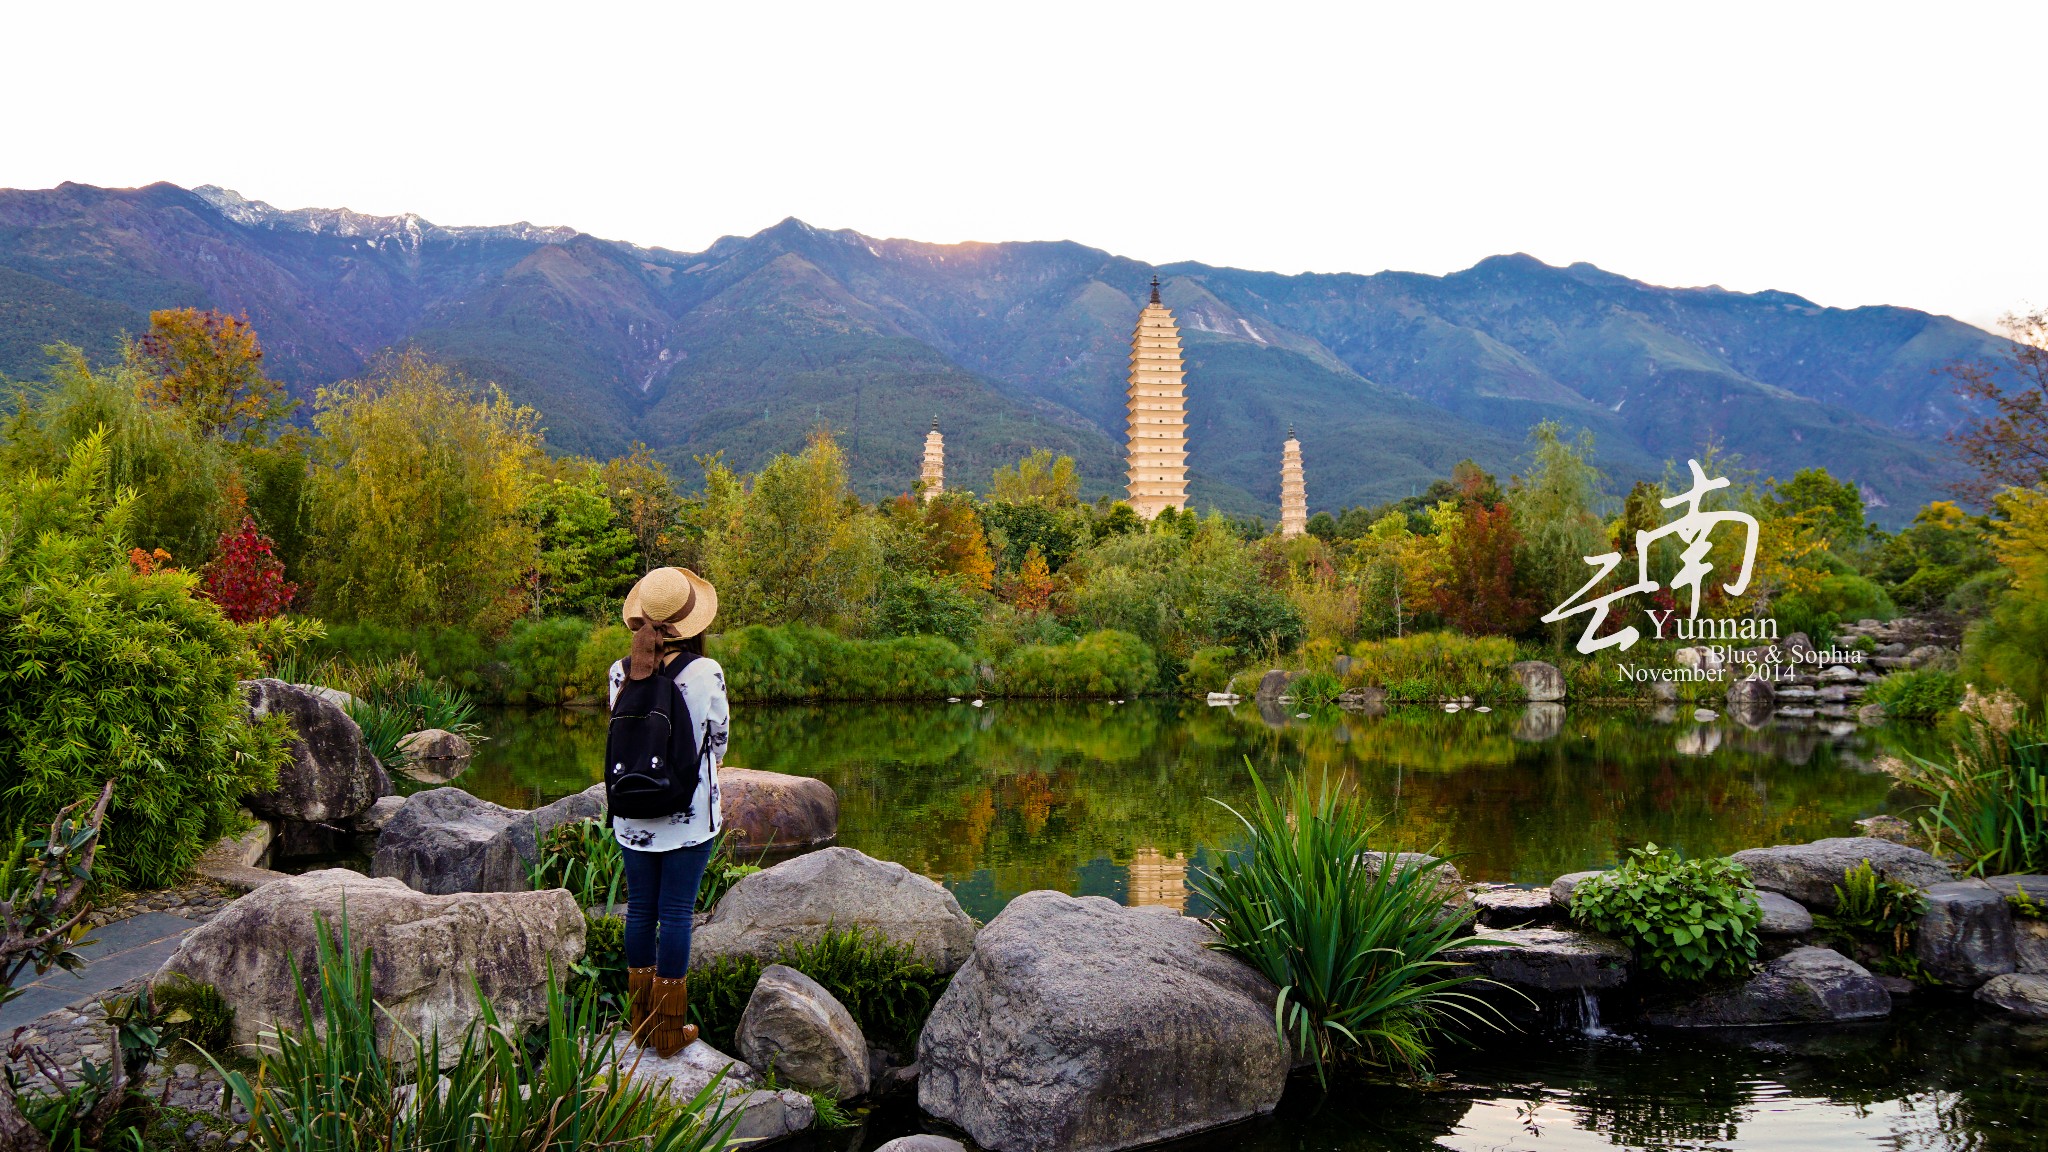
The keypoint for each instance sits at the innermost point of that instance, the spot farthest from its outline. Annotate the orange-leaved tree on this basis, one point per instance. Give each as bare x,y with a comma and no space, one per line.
210,365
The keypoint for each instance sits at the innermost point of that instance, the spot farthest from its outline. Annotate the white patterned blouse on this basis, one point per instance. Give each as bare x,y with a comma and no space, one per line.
703,685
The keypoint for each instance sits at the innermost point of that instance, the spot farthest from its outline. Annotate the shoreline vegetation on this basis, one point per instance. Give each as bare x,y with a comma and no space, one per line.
416,547
172,511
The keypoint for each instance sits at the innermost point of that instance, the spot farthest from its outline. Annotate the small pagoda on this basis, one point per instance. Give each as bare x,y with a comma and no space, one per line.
1293,489
933,477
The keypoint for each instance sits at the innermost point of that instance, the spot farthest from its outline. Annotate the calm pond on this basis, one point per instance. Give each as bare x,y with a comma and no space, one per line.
1115,800
1119,800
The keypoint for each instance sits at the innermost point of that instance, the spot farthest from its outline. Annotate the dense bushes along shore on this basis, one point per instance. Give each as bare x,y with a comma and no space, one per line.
564,660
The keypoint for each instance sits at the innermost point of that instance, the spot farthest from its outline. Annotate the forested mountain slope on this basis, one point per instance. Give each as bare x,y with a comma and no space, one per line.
743,348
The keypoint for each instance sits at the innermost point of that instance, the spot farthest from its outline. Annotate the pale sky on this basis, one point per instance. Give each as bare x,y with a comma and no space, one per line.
1852,153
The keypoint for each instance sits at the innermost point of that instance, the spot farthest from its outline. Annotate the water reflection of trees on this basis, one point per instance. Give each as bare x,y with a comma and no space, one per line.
1028,794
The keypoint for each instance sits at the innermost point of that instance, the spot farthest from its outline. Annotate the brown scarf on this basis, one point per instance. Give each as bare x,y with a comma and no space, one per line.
647,641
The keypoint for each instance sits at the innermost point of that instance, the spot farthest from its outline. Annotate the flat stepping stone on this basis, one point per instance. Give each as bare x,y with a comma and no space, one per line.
1545,959
122,951
1515,907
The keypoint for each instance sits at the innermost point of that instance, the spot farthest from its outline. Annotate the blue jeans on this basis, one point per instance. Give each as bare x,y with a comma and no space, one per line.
661,893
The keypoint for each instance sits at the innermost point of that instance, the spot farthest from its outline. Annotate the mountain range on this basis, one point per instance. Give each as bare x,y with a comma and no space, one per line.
743,348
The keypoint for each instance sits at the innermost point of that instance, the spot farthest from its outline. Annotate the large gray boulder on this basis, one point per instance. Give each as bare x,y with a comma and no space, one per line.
512,853
1541,682
793,1025
436,841
1966,935
765,1114
1808,873
1804,986
431,956
2021,994
332,776
435,744
1751,701
1273,685
2035,888
445,840
774,810
1083,1026
797,900
1545,959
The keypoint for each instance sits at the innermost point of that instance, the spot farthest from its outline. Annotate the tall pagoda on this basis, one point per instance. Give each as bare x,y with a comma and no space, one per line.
1156,407
1293,490
934,474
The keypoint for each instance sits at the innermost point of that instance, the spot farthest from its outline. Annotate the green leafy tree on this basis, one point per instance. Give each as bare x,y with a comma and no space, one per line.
1556,505
792,546
1834,507
419,499
181,480
646,500
919,604
588,555
1038,479
1058,533
108,674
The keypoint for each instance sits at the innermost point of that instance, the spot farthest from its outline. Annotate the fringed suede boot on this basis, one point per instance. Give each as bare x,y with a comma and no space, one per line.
639,1002
670,1029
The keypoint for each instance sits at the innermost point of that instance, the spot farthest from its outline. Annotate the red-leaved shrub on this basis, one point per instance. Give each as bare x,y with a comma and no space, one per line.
246,578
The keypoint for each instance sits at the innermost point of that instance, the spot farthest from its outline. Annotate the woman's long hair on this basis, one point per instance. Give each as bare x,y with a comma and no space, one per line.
694,645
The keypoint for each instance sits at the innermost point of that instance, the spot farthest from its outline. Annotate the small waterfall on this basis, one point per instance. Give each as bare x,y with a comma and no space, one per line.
1589,1014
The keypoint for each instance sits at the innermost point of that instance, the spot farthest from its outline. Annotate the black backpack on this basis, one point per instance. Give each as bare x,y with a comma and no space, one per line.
651,750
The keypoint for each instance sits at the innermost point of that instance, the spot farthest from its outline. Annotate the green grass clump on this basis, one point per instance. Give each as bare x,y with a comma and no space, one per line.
1923,695
334,1087
193,1013
1990,797
584,857
1316,689
1356,950
885,988
1686,920
1107,663
1438,665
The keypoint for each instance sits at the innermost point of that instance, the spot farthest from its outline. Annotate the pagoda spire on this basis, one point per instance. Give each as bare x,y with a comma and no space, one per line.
933,477
1155,406
1293,489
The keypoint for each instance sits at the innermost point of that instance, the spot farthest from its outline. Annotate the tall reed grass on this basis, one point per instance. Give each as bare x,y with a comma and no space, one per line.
1990,794
1356,948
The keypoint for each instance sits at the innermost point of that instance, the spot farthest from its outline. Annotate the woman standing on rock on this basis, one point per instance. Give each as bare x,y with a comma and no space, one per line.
667,736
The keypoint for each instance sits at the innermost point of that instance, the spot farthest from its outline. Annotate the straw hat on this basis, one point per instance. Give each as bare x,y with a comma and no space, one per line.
674,596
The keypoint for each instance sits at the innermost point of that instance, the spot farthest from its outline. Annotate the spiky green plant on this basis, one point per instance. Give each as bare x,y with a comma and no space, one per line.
582,856
1990,799
1356,949
333,1087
